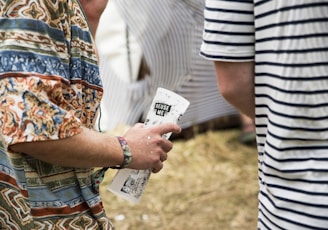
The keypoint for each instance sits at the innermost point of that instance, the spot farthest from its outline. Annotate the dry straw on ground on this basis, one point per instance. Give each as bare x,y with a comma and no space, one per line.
209,182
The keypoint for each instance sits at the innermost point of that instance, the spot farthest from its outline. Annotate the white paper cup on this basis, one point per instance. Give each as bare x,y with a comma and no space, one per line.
166,106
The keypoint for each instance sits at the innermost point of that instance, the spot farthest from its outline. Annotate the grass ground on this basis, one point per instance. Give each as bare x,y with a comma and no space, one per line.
209,182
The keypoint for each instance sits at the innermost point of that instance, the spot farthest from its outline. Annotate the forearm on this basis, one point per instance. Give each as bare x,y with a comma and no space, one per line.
87,149
236,84
93,149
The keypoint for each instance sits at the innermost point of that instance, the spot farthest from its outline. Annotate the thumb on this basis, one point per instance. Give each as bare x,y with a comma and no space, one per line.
167,128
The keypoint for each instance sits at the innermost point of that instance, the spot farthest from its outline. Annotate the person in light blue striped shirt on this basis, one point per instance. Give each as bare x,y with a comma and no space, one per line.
271,61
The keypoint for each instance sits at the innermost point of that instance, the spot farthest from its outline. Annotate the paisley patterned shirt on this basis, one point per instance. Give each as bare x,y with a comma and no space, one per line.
49,88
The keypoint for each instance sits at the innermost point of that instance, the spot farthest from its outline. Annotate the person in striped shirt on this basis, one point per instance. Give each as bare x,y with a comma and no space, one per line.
271,59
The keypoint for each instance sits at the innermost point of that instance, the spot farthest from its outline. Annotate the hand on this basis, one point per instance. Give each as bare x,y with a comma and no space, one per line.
149,149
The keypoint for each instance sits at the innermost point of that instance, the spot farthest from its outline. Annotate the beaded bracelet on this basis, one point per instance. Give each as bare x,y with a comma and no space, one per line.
127,160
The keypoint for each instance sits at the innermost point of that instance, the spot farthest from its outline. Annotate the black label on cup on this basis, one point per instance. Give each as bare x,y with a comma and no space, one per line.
161,109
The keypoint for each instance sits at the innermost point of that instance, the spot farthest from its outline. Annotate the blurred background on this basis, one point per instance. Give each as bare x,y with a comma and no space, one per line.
210,178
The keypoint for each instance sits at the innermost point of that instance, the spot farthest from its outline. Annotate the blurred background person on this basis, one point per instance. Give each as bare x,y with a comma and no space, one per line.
148,44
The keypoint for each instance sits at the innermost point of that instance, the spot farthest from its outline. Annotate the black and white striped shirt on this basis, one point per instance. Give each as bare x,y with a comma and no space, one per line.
288,40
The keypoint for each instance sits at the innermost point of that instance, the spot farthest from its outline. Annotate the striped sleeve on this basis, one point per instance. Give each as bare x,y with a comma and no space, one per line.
228,31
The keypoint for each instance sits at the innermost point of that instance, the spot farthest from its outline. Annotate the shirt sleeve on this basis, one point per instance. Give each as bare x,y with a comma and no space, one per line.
228,31
33,109
36,97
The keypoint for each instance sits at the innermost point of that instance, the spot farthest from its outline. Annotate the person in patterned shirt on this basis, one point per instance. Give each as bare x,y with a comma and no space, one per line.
50,92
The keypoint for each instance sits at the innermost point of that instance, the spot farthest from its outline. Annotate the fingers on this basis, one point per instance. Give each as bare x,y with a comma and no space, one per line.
159,149
163,157
160,165
159,146
167,128
159,168
139,125
148,146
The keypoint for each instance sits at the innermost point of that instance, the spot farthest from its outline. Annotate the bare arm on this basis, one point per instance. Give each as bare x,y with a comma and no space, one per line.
93,149
236,84
93,10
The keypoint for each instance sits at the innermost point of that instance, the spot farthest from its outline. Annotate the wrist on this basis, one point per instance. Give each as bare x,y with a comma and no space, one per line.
127,155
